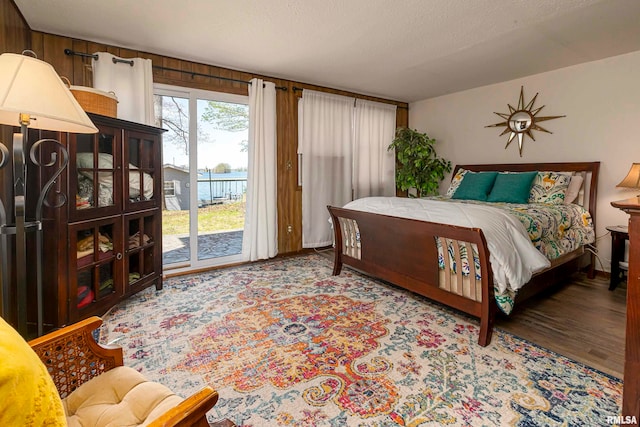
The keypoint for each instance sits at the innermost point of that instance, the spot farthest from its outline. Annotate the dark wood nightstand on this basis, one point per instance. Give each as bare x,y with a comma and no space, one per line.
619,235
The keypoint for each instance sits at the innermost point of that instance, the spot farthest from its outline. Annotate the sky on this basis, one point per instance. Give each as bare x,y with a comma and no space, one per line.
221,147
218,147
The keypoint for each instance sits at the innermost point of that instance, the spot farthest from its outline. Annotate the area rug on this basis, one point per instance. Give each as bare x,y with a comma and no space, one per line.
285,343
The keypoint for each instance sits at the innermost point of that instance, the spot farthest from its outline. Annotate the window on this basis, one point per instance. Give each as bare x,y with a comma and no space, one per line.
170,188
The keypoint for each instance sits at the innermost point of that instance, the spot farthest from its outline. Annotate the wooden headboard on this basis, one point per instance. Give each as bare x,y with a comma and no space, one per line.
588,170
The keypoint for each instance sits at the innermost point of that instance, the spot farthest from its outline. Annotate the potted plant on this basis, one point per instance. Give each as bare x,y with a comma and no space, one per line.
418,165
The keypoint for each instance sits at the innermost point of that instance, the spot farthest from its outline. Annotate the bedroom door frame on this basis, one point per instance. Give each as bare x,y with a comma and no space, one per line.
193,95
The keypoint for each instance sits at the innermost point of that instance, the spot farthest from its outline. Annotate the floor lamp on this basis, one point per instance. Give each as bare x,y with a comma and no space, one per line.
32,95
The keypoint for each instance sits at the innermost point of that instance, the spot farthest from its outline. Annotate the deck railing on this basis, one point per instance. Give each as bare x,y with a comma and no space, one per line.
223,189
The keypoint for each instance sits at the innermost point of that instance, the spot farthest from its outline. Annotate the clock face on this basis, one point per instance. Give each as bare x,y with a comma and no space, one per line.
520,121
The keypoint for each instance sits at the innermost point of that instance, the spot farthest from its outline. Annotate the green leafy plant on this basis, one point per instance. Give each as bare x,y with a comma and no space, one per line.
418,164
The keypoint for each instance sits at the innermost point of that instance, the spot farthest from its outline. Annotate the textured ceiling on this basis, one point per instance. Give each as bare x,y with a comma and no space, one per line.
405,50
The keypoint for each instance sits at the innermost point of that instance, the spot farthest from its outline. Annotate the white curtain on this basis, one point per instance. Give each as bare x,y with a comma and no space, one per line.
260,229
326,147
373,165
133,85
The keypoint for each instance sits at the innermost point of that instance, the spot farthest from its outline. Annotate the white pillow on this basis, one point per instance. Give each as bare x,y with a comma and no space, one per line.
134,183
574,189
105,161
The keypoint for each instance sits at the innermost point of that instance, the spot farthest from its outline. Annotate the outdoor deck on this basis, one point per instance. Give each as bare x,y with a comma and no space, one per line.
175,249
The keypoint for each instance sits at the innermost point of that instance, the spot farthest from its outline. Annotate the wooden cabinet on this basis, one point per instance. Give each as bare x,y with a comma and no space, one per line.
102,227
631,392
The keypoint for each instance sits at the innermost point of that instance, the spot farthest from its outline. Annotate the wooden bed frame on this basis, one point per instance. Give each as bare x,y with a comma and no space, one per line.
403,251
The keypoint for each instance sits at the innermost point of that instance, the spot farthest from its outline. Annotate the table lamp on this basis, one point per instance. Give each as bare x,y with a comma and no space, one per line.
632,180
32,95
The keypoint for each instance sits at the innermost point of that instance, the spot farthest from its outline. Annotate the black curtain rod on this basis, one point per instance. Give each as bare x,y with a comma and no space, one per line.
193,74
296,89
85,55
88,55
158,67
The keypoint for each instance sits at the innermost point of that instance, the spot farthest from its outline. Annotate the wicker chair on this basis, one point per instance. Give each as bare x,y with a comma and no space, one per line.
73,358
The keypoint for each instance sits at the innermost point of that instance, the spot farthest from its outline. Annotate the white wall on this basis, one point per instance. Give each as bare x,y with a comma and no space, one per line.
601,101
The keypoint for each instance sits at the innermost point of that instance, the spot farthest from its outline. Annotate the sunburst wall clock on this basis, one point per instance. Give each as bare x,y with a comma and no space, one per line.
520,122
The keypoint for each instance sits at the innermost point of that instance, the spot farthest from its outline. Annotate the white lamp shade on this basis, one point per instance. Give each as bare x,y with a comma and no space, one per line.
30,86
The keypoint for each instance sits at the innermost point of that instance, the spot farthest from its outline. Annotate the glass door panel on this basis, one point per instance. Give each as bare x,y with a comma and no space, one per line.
172,113
140,171
204,171
223,134
94,275
94,159
140,230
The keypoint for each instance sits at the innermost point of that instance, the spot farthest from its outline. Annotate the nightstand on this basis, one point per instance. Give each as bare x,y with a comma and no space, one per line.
619,235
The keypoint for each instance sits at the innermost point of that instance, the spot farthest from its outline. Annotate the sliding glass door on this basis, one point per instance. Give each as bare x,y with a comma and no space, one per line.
205,176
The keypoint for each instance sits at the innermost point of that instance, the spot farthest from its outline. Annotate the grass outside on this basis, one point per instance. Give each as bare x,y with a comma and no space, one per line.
224,217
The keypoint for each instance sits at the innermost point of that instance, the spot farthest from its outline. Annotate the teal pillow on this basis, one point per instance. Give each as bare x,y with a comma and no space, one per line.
512,187
475,186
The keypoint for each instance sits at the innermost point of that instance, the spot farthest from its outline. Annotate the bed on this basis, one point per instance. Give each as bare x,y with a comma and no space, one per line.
452,263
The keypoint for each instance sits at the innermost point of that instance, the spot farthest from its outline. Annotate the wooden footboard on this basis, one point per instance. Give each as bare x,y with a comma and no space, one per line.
405,252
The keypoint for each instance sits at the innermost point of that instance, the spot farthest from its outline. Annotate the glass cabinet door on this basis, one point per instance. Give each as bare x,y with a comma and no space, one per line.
141,170
94,173
95,265
142,253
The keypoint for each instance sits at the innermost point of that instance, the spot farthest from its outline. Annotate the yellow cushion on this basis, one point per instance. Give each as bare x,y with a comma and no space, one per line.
119,397
27,392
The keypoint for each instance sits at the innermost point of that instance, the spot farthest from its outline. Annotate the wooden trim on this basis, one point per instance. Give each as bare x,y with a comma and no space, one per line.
190,412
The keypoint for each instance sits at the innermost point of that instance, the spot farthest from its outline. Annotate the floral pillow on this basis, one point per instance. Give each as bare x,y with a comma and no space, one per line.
549,187
455,182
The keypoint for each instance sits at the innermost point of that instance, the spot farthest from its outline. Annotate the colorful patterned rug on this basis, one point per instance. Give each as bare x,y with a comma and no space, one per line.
287,344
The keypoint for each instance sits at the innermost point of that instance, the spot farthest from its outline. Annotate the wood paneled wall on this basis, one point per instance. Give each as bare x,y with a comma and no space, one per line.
15,36
15,32
51,47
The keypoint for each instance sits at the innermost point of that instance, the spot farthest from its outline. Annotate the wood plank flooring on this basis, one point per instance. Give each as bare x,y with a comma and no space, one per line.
581,320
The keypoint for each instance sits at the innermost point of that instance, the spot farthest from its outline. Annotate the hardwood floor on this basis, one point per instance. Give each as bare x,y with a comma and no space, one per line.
581,320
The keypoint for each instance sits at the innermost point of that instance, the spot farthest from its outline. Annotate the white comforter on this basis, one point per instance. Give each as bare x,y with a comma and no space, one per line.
513,257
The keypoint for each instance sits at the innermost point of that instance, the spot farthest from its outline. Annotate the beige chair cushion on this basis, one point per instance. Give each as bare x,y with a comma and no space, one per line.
119,397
